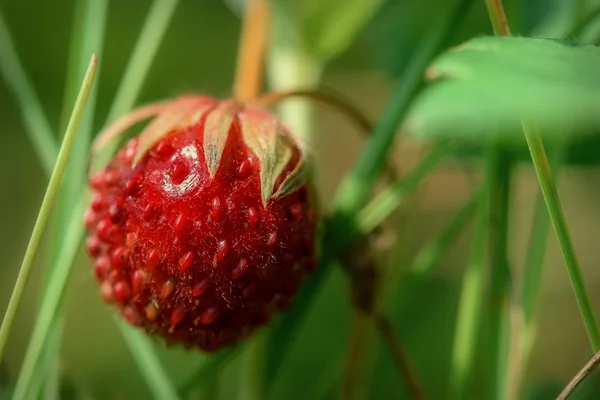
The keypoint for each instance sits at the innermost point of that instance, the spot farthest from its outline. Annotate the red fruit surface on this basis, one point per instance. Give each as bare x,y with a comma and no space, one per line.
198,259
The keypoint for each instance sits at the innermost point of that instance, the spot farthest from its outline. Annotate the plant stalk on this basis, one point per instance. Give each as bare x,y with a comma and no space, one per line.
44,213
550,193
499,171
469,308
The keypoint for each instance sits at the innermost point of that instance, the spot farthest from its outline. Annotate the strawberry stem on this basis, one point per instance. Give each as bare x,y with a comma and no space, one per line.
251,50
334,100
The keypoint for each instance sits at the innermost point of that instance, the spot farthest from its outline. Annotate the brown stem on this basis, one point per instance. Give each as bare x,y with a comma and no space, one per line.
355,358
581,375
335,101
498,17
387,331
251,50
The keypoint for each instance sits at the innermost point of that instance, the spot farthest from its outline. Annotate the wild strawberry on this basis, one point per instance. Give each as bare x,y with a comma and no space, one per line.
203,226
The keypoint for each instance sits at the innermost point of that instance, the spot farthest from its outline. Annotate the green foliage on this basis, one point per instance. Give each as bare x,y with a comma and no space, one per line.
482,90
488,85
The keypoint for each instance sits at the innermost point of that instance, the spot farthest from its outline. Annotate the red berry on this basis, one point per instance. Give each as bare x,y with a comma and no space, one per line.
203,226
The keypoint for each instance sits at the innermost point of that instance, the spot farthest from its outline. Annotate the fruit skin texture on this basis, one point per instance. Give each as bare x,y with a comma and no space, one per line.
198,256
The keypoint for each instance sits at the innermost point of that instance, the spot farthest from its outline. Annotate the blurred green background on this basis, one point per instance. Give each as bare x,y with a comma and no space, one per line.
198,55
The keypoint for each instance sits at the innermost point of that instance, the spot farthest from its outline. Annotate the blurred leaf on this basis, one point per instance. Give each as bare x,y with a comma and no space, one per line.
142,350
580,152
327,28
488,85
209,369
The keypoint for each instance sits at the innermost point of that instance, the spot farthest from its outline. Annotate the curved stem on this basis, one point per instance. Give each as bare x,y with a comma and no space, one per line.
330,99
335,101
581,375
350,387
402,364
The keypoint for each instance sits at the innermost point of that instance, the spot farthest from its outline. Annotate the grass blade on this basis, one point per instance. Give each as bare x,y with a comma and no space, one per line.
44,212
36,124
499,172
429,256
385,203
146,47
469,309
87,37
523,330
51,302
550,193
25,378
153,31
147,361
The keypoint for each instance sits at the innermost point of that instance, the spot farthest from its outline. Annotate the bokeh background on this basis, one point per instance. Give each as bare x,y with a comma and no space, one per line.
198,55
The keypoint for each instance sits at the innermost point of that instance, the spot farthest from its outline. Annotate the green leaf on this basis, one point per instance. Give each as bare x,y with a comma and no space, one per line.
488,85
327,28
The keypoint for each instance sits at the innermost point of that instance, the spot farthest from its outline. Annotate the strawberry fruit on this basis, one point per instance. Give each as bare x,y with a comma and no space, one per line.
203,226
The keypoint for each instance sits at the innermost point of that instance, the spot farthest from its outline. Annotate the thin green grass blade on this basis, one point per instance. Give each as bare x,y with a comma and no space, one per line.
36,124
45,208
87,37
530,287
51,303
550,193
61,163
385,203
499,171
146,47
469,309
148,363
138,66
430,255
538,241
143,54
